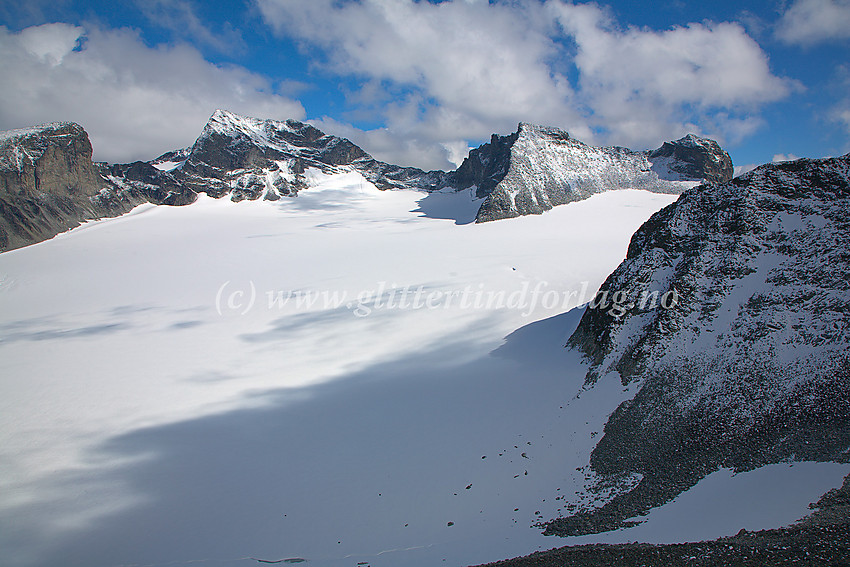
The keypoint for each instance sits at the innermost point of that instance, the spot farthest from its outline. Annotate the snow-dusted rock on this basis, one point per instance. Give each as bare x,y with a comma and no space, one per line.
747,365
251,158
48,184
692,158
538,167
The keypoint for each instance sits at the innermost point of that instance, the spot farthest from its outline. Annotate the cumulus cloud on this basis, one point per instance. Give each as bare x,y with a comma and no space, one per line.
477,58
742,169
135,101
472,68
784,157
468,68
808,22
390,147
645,85
842,115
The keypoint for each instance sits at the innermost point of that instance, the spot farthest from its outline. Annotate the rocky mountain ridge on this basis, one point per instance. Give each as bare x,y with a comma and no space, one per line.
527,172
249,158
48,184
538,167
748,366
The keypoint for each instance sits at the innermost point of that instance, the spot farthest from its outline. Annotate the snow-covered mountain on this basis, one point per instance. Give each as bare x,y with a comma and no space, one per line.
537,168
250,158
747,364
527,172
48,184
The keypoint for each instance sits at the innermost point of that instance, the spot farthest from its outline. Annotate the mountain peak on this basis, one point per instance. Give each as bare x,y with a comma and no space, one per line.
692,157
229,123
538,130
49,184
26,145
526,172
692,140
539,167
49,129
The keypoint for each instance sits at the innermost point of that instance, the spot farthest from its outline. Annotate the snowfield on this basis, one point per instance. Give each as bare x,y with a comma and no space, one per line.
343,377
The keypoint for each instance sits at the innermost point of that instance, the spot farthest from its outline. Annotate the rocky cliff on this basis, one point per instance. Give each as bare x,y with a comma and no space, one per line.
692,158
251,158
746,363
537,168
49,184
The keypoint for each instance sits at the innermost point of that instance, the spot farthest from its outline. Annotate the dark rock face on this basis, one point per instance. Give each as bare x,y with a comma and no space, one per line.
48,184
486,165
750,365
386,176
158,187
694,158
537,168
249,158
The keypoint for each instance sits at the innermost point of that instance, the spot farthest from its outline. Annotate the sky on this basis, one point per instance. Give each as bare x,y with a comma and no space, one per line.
420,82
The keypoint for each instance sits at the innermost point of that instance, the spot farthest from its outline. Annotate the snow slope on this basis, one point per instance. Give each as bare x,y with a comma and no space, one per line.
318,377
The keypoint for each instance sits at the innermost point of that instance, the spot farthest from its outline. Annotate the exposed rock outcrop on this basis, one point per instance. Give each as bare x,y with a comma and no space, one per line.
749,365
537,168
48,184
694,158
251,158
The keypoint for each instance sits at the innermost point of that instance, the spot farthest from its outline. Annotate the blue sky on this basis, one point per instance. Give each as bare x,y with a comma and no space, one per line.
417,83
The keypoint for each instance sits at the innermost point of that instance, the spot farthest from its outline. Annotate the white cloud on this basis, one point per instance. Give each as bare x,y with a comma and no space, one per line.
473,68
468,68
742,169
480,59
842,115
390,147
646,85
808,22
136,102
840,111
437,75
49,43
784,157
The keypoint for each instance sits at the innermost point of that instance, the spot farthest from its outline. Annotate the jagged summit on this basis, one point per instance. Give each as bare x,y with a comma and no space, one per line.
262,132
539,167
231,143
224,121
692,158
693,140
16,134
531,129
287,137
